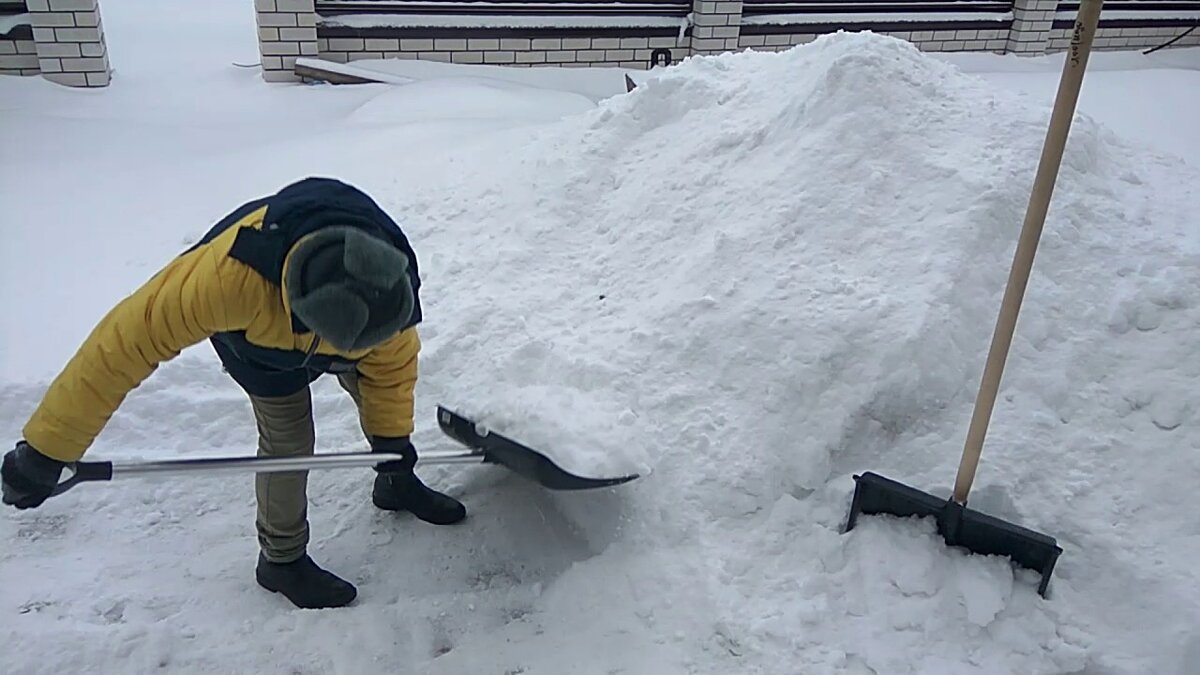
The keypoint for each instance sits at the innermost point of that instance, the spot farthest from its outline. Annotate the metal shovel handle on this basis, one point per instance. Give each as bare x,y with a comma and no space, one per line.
84,472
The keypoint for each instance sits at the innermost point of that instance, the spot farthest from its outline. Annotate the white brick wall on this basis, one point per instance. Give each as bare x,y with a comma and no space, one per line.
1109,39
69,42
287,30
627,52
18,57
931,41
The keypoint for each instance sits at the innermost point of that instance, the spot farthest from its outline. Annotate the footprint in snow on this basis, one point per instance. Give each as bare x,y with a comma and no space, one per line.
43,527
114,613
1147,317
442,647
1168,412
34,606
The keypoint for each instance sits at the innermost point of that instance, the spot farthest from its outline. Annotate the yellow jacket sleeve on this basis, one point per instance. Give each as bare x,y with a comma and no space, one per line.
196,295
387,378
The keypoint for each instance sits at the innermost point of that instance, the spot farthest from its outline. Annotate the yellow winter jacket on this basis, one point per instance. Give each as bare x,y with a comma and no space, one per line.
205,292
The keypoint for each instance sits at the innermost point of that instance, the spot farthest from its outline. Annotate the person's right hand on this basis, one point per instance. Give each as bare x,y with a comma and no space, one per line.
28,476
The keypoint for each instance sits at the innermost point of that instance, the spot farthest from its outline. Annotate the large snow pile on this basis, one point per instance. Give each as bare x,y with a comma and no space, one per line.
768,272
750,278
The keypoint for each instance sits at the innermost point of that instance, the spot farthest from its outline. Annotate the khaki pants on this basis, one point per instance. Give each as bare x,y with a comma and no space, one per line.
285,429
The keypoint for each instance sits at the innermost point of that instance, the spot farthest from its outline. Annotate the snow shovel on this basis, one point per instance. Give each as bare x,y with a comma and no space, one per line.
523,460
966,528
485,448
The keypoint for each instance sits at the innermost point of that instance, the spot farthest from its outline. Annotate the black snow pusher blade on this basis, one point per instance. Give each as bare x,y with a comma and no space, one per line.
974,531
960,526
518,458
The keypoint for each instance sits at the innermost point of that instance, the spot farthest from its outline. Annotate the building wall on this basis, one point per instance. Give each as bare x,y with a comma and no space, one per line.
63,41
290,29
541,49
71,48
287,30
18,54
931,40
1110,39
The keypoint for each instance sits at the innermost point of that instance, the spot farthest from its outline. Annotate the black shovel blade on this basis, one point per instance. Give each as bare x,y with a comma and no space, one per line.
959,526
517,457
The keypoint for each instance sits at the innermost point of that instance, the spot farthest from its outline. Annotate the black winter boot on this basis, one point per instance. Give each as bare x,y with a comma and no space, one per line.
305,584
405,492
397,488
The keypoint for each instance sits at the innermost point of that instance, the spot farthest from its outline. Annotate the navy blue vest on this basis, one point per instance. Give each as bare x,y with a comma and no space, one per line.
295,211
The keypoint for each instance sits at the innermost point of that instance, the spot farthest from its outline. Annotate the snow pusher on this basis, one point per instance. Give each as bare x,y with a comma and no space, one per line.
482,448
960,526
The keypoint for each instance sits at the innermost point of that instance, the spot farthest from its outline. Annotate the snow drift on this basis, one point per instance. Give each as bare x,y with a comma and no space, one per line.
752,277
796,257
763,273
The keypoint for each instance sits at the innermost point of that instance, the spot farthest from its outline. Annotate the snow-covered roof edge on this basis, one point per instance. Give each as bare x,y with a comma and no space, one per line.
353,71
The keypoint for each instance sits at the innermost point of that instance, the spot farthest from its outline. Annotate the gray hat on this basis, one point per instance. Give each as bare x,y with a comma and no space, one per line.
350,288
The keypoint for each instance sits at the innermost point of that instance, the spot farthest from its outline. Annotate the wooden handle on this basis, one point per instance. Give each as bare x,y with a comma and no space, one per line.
1035,217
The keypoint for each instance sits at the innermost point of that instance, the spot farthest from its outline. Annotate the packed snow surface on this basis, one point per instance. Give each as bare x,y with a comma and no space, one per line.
749,279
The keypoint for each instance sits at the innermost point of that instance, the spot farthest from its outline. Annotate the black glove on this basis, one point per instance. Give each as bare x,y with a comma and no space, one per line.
399,445
28,476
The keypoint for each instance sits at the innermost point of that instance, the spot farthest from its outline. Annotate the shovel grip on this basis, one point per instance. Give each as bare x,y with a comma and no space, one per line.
84,472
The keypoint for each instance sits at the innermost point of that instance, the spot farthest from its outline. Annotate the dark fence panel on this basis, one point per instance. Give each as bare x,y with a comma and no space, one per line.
1136,14
753,7
824,16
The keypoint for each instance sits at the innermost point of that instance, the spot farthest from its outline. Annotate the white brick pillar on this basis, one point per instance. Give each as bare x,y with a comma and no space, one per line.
18,54
69,39
287,30
1032,21
716,26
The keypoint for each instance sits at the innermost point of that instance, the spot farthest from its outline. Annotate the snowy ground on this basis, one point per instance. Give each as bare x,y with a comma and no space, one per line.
756,275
